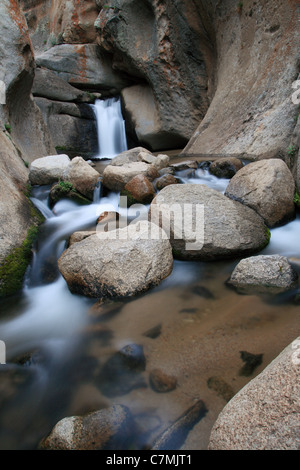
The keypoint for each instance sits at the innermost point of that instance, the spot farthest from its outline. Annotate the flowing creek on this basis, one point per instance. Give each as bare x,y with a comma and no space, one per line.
191,326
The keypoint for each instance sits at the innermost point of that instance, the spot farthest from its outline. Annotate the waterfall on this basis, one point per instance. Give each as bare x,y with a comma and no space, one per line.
110,128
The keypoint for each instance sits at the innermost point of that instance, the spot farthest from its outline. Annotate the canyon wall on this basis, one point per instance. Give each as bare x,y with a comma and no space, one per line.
210,77
23,137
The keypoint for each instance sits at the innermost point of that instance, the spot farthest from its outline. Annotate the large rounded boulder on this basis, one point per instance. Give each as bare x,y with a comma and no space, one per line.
204,224
268,187
119,263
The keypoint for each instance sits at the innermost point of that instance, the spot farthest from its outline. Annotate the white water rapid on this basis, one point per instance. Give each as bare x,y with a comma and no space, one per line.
111,128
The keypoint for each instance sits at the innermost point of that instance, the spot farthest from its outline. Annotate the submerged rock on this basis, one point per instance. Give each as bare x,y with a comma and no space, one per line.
268,187
204,224
119,263
162,382
252,361
174,437
264,274
106,429
221,387
265,414
122,371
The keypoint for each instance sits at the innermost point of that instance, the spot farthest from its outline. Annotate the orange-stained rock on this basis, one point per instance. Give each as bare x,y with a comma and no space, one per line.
140,189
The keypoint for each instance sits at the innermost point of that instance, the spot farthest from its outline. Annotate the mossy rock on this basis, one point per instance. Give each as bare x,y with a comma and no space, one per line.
14,266
65,190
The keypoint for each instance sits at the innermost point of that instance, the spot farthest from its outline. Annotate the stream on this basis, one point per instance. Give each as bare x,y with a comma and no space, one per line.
192,326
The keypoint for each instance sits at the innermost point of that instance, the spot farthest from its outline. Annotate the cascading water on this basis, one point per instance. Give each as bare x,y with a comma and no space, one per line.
110,127
50,308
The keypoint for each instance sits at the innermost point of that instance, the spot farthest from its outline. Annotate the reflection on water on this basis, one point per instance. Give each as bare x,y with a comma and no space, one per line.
60,346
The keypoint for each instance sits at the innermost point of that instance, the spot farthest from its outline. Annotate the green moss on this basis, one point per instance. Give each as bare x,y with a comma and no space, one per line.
66,190
13,269
268,235
292,150
66,186
7,127
61,148
130,199
297,199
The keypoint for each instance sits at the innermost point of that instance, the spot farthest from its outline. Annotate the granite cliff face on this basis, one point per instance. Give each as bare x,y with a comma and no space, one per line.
252,112
214,78
23,136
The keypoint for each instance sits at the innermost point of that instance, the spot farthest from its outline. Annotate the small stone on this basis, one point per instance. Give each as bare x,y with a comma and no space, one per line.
162,382
252,361
166,180
225,167
222,388
154,332
133,357
189,164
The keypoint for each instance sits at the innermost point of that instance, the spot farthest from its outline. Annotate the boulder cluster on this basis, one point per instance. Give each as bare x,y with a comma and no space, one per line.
182,221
